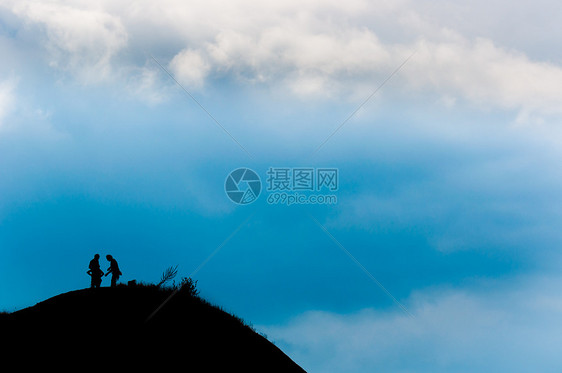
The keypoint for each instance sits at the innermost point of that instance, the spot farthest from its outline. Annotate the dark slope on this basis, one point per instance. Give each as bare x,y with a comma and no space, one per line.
107,328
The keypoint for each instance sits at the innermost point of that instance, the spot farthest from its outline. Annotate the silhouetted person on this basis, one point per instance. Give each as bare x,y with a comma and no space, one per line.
95,272
113,269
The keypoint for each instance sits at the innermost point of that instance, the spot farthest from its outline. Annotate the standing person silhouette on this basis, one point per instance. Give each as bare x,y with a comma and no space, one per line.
95,272
113,269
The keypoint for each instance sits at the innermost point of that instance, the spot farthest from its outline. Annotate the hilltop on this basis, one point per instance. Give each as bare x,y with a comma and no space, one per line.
107,327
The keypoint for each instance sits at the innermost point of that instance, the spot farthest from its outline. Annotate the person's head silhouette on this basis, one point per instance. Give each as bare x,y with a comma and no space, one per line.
97,256
108,257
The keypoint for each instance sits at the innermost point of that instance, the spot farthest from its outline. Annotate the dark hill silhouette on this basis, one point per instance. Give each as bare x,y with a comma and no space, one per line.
107,328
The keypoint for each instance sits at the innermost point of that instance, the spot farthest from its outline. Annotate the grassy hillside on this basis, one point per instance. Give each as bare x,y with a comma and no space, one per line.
108,328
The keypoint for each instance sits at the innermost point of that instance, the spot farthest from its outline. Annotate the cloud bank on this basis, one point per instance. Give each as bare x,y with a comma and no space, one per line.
505,328
311,49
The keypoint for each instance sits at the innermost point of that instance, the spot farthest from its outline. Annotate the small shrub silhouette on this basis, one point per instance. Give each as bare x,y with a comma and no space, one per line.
187,286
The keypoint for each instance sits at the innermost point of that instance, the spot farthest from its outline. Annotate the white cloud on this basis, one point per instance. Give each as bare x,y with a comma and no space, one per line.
355,60
7,99
483,73
311,49
189,68
80,37
512,327
143,83
309,63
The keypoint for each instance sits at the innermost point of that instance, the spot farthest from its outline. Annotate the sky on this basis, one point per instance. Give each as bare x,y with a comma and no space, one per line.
120,122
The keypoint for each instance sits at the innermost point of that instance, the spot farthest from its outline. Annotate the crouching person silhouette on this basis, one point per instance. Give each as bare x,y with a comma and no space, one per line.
113,269
95,272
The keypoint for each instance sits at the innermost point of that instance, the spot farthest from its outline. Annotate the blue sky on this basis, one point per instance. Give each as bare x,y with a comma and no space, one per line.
449,175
